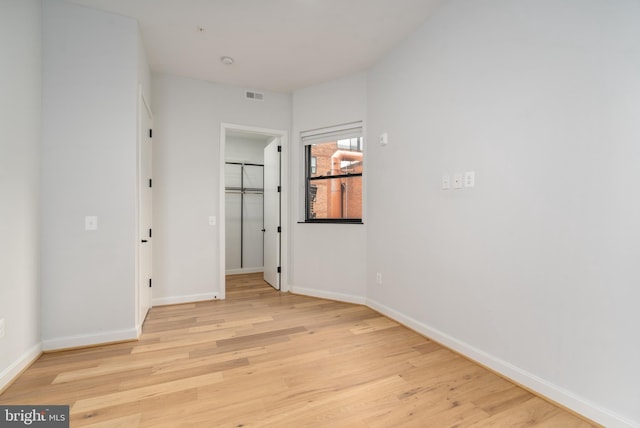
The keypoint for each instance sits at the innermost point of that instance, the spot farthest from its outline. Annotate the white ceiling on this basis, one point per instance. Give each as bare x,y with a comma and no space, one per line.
277,45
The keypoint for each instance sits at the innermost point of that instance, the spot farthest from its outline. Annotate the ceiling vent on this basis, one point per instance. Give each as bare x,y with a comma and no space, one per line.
251,95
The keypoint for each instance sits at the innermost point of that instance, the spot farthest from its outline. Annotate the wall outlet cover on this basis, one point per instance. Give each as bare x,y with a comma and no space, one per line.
457,181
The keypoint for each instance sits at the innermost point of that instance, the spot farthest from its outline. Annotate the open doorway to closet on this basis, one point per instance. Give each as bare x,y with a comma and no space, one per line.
252,201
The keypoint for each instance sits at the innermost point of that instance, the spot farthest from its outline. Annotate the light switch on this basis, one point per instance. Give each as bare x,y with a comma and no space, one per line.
384,139
212,220
457,181
446,182
91,222
469,179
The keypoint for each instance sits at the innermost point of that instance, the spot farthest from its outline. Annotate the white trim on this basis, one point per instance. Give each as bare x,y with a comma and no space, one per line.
9,374
244,270
139,185
90,339
146,105
222,233
285,181
516,374
326,135
322,294
176,300
284,211
335,129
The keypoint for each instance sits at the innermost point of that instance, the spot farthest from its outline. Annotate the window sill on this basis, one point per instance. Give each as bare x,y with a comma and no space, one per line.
331,221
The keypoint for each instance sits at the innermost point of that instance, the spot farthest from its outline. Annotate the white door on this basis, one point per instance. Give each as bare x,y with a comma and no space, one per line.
272,214
145,221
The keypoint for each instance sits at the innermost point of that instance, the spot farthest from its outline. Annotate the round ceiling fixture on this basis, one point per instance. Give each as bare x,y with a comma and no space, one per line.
226,60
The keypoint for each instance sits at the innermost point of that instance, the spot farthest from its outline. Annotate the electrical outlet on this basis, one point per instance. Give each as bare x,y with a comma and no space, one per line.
457,181
1,328
379,278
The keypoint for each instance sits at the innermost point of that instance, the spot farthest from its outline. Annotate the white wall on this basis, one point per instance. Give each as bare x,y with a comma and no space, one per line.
328,260
144,72
186,160
240,149
20,130
533,271
90,96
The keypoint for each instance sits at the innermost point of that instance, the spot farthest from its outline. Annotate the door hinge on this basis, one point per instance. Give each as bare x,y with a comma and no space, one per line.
150,233
279,229
150,183
279,148
149,282
279,269
279,189
150,133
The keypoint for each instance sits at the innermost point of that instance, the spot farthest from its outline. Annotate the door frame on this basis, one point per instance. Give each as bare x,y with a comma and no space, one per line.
143,109
284,201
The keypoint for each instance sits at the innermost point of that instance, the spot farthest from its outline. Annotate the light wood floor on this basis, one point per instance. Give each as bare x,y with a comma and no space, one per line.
265,359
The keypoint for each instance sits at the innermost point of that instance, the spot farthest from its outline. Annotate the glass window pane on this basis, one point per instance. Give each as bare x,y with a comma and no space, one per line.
335,198
330,160
334,181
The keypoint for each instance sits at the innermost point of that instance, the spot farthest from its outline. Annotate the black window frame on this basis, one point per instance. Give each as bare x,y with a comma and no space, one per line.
309,182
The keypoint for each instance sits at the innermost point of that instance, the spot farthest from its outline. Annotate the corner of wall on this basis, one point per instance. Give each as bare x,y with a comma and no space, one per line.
9,374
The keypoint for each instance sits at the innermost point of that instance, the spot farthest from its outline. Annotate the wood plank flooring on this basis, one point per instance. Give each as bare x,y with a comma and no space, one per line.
267,359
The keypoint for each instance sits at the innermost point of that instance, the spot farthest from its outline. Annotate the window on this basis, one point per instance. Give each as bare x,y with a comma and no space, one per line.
314,164
351,144
334,163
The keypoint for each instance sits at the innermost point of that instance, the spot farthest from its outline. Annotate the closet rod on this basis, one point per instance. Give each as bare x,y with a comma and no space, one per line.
246,192
244,163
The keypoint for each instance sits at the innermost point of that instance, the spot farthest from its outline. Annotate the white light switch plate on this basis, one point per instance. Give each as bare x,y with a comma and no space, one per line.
446,182
91,222
469,179
212,220
1,328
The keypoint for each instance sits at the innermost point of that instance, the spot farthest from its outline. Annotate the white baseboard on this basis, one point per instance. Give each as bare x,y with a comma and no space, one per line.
89,339
524,378
176,300
10,373
244,270
322,294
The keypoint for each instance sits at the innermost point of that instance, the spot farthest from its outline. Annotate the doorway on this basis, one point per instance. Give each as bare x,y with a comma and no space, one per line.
252,201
